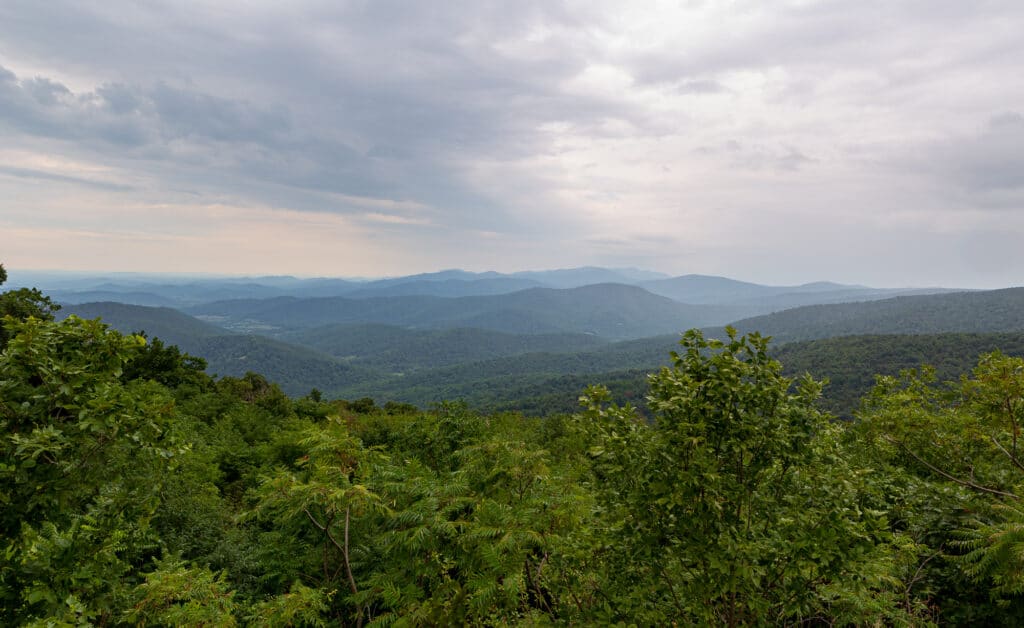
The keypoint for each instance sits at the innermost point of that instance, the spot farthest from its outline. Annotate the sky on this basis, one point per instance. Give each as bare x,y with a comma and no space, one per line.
877,142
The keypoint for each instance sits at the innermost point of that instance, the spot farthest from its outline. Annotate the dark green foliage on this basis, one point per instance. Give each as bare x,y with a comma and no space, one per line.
166,364
399,408
294,369
737,506
851,363
83,457
396,349
962,312
516,382
955,448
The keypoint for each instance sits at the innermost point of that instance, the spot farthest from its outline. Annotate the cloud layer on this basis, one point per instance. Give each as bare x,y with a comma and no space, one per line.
875,142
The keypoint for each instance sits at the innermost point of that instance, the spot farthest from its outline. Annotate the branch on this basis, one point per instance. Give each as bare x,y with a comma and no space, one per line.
1013,421
1012,458
535,581
348,568
326,529
315,522
949,477
541,565
917,576
672,590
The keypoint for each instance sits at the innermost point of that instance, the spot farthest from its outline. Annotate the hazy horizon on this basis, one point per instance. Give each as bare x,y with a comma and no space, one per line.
778,143
17,277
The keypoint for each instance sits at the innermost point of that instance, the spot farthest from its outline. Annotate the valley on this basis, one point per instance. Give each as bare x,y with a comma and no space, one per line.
530,342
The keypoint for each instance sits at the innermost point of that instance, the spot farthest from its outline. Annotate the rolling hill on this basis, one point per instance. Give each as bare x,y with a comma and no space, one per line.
705,289
966,312
295,369
397,349
192,290
851,362
521,379
170,325
150,299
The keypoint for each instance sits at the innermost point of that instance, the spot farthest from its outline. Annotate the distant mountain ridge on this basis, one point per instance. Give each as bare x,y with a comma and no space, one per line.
445,287
190,291
707,289
613,311
588,275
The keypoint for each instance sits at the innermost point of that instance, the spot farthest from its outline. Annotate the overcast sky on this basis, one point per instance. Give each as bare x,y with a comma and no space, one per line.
878,142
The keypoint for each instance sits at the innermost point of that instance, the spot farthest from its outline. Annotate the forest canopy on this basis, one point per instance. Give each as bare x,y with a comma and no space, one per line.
137,489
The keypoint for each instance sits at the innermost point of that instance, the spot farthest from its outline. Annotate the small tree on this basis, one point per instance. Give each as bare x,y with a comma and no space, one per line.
736,506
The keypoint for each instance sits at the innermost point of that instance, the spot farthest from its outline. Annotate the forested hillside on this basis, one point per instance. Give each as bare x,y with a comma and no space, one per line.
295,369
397,349
515,382
966,312
850,363
165,323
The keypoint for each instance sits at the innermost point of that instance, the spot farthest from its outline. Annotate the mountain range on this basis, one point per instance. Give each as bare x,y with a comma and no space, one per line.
535,349
189,291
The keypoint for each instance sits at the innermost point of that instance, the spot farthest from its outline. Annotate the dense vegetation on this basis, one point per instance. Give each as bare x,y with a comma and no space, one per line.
399,350
963,312
137,489
851,363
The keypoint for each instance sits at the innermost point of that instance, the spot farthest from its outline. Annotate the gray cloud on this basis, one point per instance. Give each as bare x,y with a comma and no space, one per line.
30,173
991,161
983,169
700,86
124,114
541,122
377,99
